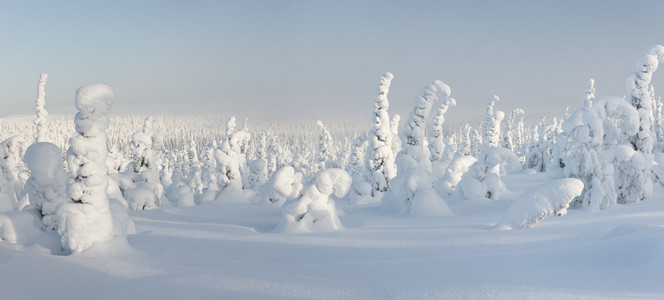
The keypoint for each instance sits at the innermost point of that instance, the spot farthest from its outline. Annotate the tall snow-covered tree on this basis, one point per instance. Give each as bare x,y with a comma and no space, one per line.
87,218
42,114
641,94
380,155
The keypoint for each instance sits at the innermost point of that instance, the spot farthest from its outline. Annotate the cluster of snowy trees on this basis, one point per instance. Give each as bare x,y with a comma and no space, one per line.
602,154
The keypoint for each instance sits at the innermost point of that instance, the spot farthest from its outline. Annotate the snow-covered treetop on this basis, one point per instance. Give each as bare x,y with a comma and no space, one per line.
94,98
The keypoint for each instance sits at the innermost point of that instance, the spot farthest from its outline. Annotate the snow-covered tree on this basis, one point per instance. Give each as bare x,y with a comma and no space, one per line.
510,132
380,155
491,124
482,181
42,114
325,156
411,191
146,190
231,160
10,155
436,138
578,154
45,188
316,211
415,152
641,94
89,216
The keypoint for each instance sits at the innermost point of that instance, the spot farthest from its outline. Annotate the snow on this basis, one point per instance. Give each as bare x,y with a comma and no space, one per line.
218,250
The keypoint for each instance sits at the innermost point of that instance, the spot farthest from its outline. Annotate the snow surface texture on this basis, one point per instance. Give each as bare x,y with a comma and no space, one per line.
551,198
218,250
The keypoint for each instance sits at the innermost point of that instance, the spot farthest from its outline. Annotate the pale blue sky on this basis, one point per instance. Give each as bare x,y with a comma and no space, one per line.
294,58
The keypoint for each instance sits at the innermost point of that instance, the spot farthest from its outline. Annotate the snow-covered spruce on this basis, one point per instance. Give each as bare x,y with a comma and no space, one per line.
552,198
436,139
641,94
512,137
316,211
491,125
325,157
482,181
89,217
46,187
42,114
231,161
380,154
145,191
411,191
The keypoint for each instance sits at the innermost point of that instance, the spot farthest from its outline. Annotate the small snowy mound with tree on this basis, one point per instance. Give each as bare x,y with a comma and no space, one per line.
482,181
45,187
285,184
552,198
316,211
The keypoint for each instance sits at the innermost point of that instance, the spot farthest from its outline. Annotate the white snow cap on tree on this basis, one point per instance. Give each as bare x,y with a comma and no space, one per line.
87,219
380,154
41,111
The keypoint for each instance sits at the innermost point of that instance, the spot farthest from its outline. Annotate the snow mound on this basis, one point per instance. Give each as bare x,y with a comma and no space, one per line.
550,198
19,226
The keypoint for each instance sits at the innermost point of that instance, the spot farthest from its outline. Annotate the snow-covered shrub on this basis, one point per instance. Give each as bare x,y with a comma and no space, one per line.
457,167
552,198
285,184
380,153
316,211
89,216
45,188
482,181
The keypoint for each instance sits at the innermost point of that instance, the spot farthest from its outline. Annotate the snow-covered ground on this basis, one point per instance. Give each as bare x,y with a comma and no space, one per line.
228,251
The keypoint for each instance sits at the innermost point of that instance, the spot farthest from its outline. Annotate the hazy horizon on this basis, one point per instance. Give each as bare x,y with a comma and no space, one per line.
310,58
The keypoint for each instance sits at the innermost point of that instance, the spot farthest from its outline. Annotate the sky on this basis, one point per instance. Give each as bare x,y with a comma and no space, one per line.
321,59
